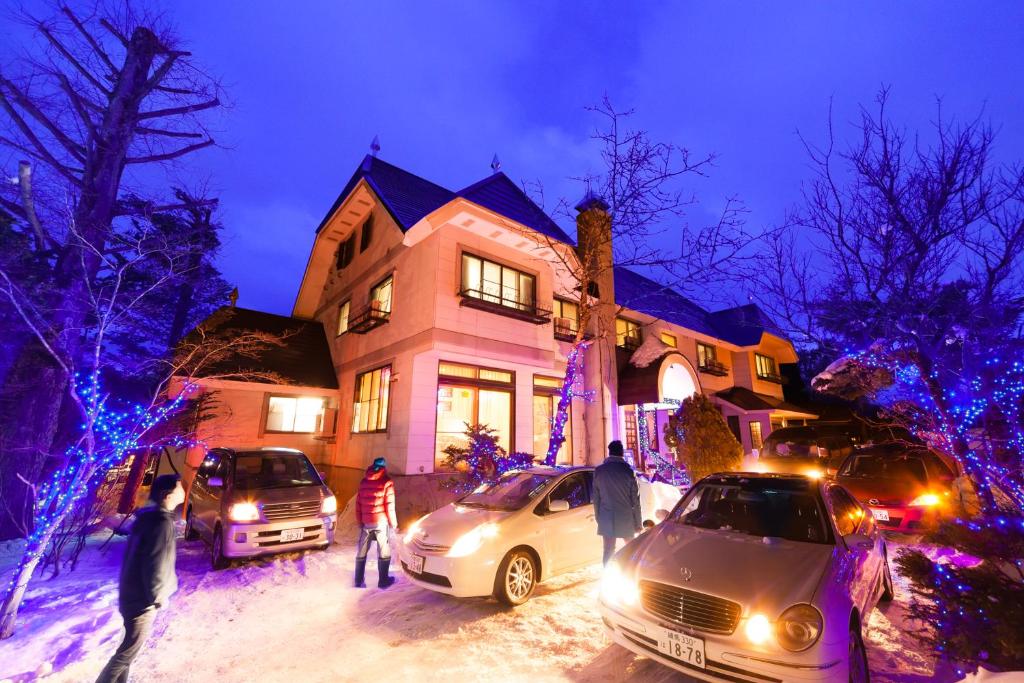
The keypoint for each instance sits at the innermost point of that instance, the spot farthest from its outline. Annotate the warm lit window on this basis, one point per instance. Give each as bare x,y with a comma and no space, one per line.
546,394
343,318
566,316
669,340
627,333
766,367
706,355
294,414
467,395
497,284
756,442
380,296
367,235
370,409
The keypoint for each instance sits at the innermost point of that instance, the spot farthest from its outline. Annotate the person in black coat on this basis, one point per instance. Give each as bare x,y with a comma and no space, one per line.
616,500
147,573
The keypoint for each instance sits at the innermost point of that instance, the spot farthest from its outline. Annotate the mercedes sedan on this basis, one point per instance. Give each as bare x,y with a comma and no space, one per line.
752,577
505,538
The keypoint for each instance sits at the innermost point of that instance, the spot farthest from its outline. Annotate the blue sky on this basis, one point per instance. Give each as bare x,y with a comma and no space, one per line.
448,84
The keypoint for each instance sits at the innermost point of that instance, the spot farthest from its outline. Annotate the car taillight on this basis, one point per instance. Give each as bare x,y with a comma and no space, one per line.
925,500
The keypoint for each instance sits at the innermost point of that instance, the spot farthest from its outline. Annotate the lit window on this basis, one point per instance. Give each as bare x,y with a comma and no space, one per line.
669,340
380,296
470,395
766,368
566,316
627,333
546,396
343,318
756,442
370,407
497,284
706,355
294,414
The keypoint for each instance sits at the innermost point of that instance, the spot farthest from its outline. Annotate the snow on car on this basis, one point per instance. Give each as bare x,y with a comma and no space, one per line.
505,538
763,577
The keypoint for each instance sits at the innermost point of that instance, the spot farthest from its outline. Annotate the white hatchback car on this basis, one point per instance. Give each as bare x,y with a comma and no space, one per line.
505,538
752,577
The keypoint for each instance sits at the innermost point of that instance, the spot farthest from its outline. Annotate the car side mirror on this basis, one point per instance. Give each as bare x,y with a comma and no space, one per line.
558,505
215,483
858,542
661,515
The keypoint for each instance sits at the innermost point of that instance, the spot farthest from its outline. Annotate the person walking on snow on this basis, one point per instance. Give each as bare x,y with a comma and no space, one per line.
147,573
375,513
616,500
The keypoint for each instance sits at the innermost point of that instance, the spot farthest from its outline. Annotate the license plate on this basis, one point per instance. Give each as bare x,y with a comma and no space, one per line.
880,515
682,647
416,564
289,535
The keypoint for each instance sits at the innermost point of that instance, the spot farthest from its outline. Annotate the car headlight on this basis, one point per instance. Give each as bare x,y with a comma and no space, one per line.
758,629
798,628
925,500
469,542
329,506
814,473
244,512
617,588
413,530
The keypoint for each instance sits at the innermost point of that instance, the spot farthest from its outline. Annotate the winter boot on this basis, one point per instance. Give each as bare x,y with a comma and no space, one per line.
385,579
360,573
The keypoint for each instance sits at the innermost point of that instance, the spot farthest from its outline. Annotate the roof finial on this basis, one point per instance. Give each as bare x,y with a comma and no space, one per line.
495,163
375,146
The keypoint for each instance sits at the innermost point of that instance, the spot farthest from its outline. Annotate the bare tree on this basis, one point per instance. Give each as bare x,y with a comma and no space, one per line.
104,95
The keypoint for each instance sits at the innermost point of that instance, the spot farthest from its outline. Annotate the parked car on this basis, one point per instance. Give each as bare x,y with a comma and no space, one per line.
505,538
905,487
752,577
245,503
817,451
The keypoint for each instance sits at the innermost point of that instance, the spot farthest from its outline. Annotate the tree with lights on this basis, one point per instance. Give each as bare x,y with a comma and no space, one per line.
482,459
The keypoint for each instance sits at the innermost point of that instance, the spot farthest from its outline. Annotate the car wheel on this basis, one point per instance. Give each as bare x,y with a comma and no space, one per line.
858,658
190,529
217,559
516,579
888,590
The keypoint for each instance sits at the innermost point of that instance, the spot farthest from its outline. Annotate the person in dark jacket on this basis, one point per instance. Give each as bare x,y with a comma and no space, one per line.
375,513
616,500
147,573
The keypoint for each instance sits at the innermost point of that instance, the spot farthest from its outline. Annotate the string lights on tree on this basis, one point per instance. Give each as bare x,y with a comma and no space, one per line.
570,390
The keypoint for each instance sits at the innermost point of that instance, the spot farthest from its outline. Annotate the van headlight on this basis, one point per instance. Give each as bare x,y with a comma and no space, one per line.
329,506
798,628
469,542
244,512
617,588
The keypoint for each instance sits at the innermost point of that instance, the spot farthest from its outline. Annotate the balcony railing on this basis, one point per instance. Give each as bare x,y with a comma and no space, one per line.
630,343
713,367
371,317
565,329
771,377
513,308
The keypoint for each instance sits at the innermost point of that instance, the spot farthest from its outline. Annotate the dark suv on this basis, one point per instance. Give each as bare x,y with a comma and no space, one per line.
245,503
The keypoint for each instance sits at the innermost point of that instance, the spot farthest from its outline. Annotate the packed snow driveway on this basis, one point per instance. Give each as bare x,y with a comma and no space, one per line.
296,617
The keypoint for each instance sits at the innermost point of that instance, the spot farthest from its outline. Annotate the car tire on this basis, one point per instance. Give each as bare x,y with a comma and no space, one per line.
190,528
217,559
888,588
858,657
516,578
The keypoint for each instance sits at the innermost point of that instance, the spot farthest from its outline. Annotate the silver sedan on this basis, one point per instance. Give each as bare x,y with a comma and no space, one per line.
752,577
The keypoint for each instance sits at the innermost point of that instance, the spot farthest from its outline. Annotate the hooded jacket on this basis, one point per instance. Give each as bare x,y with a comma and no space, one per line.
375,500
616,499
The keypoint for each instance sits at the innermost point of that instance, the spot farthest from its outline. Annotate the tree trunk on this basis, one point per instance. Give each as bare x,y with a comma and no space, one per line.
140,463
12,601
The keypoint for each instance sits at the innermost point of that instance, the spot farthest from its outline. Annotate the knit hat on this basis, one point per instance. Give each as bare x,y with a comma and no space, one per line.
378,464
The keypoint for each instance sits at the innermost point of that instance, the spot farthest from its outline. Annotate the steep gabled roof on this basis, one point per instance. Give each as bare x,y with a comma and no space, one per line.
744,325
406,196
498,193
644,295
303,360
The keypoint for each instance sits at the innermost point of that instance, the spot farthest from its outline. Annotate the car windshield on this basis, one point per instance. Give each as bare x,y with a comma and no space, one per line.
786,509
876,466
793,447
272,470
512,491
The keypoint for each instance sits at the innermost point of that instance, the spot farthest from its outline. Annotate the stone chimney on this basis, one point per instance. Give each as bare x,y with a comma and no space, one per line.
594,249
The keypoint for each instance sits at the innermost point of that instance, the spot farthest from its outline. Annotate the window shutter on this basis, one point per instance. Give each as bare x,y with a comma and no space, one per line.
367,234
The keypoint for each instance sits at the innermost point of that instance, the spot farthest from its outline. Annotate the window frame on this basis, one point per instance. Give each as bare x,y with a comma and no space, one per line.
391,298
558,310
366,234
346,252
635,328
675,340
758,358
347,305
266,416
702,362
553,395
466,288
757,443
476,384
383,398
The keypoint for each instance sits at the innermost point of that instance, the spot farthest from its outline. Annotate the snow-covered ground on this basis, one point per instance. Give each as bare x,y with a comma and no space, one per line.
297,618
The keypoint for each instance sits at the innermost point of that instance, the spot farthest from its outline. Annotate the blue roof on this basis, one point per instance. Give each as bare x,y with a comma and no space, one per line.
741,325
409,197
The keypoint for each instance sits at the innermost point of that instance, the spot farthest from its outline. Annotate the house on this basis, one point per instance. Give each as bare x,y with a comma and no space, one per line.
436,308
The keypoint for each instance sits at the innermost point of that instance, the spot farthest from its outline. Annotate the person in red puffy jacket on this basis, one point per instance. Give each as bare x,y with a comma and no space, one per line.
375,512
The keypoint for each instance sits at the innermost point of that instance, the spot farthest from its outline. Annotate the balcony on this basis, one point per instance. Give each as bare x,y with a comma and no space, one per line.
713,367
512,308
771,377
565,329
371,317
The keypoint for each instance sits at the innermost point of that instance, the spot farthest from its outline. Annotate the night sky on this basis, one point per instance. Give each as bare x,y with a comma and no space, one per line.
448,85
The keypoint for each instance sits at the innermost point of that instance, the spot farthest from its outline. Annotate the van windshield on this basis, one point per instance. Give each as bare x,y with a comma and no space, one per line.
272,470
512,491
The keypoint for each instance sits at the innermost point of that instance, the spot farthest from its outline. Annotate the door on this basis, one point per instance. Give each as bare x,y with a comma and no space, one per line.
205,499
571,535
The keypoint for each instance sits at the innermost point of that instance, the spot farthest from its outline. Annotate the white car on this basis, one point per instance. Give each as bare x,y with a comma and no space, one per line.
505,538
752,577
